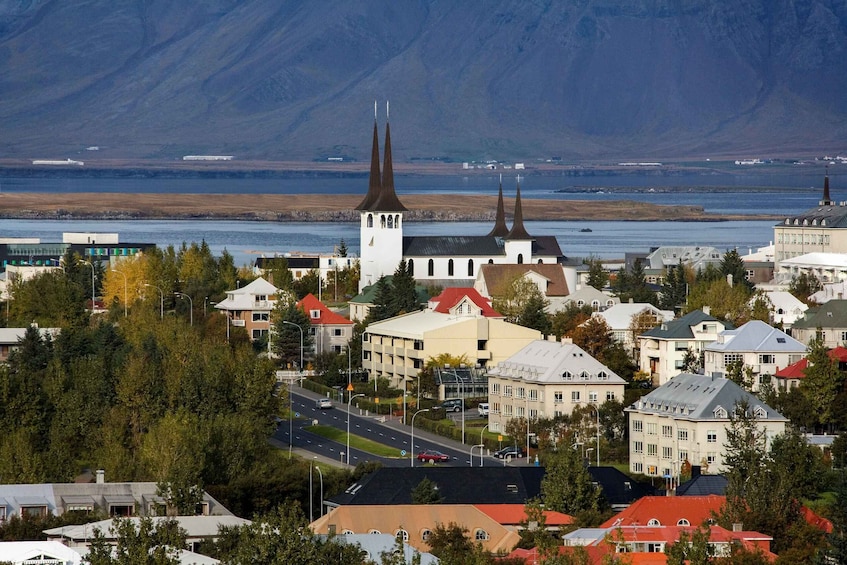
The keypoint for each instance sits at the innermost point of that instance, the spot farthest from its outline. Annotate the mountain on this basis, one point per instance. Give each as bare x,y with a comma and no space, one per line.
297,79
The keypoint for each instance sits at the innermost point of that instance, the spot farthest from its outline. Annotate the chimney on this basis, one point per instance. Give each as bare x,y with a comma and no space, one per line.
695,471
707,310
737,527
729,280
100,476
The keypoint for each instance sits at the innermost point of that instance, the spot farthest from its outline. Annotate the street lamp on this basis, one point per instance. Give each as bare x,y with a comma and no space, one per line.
161,300
125,287
91,264
348,424
412,448
461,383
597,410
321,475
191,306
481,459
301,340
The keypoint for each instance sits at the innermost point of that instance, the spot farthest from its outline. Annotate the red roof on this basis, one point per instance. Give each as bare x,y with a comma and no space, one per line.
668,511
798,370
326,317
513,514
813,519
451,296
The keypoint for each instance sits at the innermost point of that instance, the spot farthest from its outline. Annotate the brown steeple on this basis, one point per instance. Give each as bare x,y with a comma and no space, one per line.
518,230
387,200
826,199
375,179
500,227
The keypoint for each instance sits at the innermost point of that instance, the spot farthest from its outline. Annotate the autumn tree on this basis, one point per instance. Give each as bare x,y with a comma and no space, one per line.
514,296
565,321
823,381
593,336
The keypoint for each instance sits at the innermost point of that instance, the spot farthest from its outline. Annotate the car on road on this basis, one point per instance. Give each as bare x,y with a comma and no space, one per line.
324,403
510,451
433,456
451,405
482,409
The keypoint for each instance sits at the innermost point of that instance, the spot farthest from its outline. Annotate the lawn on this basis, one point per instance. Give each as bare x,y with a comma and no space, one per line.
357,442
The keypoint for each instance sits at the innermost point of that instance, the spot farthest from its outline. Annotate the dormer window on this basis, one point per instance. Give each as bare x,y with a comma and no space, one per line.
314,314
567,375
760,412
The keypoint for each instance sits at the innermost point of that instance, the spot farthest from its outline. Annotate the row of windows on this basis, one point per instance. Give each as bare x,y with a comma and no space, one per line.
426,533
535,395
389,221
802,238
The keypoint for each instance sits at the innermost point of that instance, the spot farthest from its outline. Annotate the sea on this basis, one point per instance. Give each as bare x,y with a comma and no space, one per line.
778,195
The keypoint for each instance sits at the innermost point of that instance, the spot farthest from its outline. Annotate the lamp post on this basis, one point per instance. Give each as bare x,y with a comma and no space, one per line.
348,424
301,340
412,448
125,287
461,384
481,458
161,300
597,410
321,475
91,264
191,306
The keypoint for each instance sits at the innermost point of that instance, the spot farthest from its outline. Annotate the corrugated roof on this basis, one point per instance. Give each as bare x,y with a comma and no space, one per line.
832,314
453,246
758,336
681,327
668,510
545,361
798,370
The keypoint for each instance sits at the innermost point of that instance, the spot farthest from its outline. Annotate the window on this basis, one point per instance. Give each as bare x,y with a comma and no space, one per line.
450,268
683,522
520,392
610,395
730,358
638,447
507,410
652,427
430,268
507,391
495,388
470,267
401,535
257,334
557,397
480,535
425,535
767,359
683,455
370,220
337,332
711,436
710,458
667,452
637,467
520,258
652,449
592,396
35,511
682,434
314,314
2,513
667,431
122,510
377,532
533,394
260,316
637,426
653,522
575,396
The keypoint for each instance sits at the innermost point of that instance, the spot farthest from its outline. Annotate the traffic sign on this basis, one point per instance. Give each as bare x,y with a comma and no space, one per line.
402,453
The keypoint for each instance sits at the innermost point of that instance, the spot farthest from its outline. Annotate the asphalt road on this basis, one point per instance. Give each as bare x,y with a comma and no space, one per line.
391,433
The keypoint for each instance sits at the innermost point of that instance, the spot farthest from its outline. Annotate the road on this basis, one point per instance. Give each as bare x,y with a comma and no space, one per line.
391,433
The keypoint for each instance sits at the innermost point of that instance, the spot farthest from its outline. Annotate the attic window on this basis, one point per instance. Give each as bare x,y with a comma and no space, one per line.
602,375
653,522
720,412
780,340
823,222
683,522
584,375
567,375
315,314
760,412
512,489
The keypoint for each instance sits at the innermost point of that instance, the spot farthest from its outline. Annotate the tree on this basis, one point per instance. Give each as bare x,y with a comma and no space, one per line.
732,265
691,362
598,276
691,549
593,336
397,555
823,381
730,303
633,285
761,307
534,314
286,342
803,286
674,287
404,296
147,544
381,309
52,299
278,273
426,492
450,542
740,374
641,323
567,486
566,320
514,297
309,283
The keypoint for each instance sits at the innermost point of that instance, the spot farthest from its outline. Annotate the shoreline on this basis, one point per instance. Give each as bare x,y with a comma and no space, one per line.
331,208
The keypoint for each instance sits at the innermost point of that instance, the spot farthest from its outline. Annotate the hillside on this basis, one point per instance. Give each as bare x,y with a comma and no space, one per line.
296,80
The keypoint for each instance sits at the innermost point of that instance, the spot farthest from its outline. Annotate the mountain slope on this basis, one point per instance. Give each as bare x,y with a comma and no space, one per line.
264,79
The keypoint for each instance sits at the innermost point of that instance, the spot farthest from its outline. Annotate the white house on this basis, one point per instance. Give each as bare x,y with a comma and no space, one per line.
685,419
619,318
785,308
250,307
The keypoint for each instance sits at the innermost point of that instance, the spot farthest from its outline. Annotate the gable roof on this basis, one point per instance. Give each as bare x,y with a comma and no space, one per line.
698,397
756,335
681,327
368,294
619,316
703,485
543,361
498,277
326,317
832,314
798,370
451,296
668,510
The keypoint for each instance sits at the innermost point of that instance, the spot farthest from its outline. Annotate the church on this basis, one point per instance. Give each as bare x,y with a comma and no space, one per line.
445,261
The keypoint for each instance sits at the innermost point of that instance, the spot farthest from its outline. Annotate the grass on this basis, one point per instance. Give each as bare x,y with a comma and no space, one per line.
357,442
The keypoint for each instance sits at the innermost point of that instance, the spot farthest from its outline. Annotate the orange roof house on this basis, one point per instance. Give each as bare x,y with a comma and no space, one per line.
790,376
452,298
668,511
511,515
330,331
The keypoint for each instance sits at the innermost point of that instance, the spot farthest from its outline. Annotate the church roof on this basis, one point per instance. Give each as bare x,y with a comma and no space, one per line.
473,246
518,230
500,227
375,178
387,200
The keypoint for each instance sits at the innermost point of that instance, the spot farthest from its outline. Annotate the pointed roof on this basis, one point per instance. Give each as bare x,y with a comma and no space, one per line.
375,178
798,370
500,227
451,296
518,230
323,316
387,200
826,199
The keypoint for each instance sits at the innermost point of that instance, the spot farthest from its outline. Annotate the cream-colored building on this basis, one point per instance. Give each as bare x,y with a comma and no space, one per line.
686,419
547,379
398,348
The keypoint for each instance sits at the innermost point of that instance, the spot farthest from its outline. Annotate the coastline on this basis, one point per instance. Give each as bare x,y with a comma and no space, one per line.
329,208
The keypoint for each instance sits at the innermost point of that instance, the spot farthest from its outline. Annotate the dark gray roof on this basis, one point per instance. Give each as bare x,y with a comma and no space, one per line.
830,216
681,327
703,485
472,246
831,314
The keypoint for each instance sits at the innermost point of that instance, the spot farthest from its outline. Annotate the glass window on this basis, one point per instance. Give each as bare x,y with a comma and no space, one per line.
638,447
682,434
712,436
575,396
652,449
637,426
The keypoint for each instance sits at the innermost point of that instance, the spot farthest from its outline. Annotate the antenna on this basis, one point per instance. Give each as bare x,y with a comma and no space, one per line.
387,113
519,178
374,110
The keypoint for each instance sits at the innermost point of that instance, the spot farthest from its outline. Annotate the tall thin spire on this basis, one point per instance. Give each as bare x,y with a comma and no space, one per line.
375,178
826,199
518,230
387,200
500,227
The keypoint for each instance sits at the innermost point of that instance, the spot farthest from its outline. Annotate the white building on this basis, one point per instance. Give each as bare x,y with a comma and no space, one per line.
686,419
546,379
619,318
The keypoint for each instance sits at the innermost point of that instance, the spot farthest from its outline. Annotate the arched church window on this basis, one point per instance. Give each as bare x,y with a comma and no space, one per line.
540,261
491,261
382,221
411,266
470,267
370,220
390,222
397,221
520,258
430,268
450,268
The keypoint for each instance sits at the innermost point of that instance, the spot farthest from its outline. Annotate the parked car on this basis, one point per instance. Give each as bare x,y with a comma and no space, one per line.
451,405
432,456
510,451
324,403
482,409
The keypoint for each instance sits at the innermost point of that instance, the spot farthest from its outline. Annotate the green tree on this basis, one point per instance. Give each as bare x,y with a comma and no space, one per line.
146,544
633,285
534,314
426,492
450,543
514,297
309,283
382,308
566,320
278,273
52,299
730,303
823,381
287,339
397,555
674,288
593,336
733,265
803,286
404,296
691,549
691,362
598,276
567,486
761,307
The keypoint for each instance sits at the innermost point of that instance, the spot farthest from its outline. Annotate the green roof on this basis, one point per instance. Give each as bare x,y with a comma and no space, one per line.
832,314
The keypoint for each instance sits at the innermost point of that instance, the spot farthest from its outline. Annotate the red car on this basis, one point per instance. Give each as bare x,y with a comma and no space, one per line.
432,456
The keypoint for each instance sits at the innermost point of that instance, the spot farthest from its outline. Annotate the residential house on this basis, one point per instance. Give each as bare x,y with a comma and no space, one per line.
685,419
38,552
829,291
668,511
546,379
791,376
590,296
361,304
826,267
331,332
660,259
662,349
250,307
620,318
830,318
785,308
759,265
462,300
398,348
761,348
301,264
493,281
10,339
374,546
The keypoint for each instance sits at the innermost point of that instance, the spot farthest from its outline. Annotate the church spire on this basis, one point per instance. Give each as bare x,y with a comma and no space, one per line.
500,228
826,198
375,179
518,230
387,200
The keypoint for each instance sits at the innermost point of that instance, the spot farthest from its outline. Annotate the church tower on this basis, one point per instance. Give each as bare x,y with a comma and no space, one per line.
381,222
518,241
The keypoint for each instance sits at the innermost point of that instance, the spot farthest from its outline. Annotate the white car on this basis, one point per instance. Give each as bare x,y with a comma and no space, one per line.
482,409
324,403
